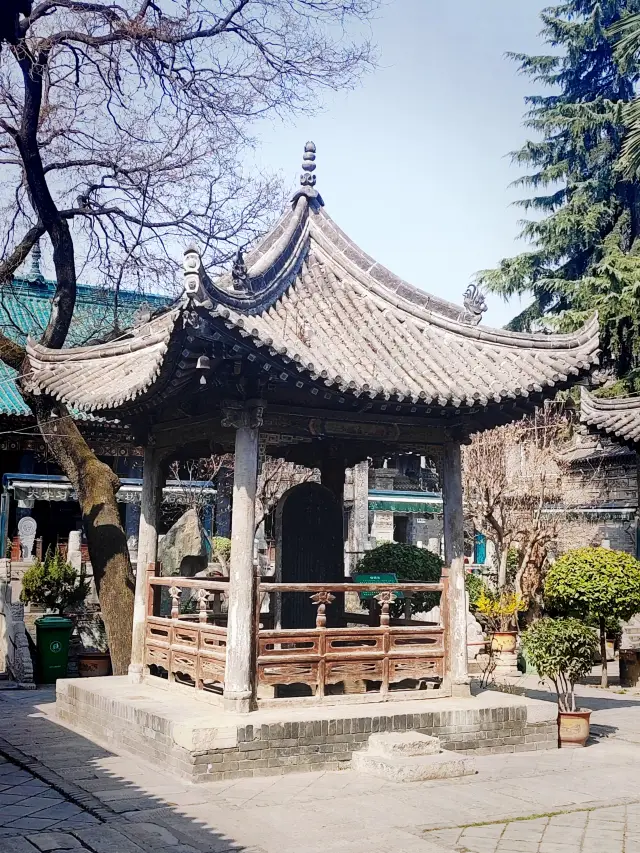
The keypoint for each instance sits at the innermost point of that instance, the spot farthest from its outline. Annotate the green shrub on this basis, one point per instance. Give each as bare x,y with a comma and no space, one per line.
54,584
411,565
475,586
561,650
221,550
595,582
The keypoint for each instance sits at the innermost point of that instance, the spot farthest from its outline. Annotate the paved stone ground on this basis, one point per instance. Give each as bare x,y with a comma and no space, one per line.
86,798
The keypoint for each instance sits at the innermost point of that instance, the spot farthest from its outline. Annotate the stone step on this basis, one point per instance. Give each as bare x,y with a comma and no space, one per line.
404,744
414,768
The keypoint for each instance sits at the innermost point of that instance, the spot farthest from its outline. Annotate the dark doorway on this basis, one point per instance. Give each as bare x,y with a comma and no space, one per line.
400,528
310,539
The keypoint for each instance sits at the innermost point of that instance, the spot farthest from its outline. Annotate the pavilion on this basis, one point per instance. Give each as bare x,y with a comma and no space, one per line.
308,349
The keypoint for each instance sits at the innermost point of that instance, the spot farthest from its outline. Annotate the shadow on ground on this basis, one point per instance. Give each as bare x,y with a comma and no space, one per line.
71,764
593,702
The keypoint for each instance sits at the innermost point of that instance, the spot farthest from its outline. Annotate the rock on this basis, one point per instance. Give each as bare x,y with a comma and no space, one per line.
475,637
182,550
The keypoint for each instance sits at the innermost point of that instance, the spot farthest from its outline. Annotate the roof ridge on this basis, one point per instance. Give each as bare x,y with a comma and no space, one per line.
608,403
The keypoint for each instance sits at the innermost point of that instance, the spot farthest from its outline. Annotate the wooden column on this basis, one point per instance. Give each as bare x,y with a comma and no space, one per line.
239,678
454,558
147,553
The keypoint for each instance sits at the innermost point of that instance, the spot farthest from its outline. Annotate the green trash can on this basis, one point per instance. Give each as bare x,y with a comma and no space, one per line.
53,634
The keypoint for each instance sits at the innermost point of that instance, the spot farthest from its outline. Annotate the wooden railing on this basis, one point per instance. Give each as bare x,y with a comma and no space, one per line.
348,659
191,646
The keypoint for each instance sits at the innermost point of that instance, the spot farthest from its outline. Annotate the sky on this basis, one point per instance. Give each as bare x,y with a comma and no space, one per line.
413,164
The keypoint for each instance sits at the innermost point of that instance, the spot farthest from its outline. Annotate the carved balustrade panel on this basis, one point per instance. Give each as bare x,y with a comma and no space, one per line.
374,657
188,645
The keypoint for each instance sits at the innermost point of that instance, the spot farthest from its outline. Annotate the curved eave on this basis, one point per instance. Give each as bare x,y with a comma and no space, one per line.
577,355
617,418
103,376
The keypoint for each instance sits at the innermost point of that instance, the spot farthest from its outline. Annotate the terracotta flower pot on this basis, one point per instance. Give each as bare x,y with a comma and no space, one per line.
573,728
92,664
504,641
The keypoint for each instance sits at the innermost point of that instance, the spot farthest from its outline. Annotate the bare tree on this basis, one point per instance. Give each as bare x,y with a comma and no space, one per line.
515,480
122,131
275,478
195,477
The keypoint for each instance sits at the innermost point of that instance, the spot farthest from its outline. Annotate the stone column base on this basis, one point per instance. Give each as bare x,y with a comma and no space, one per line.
135,672
238,703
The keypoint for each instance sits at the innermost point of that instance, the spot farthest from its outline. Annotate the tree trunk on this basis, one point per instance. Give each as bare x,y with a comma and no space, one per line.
96,486
604,679
502,568
94,482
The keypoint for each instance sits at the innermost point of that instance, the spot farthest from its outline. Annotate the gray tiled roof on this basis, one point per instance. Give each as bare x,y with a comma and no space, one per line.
313,299
617,417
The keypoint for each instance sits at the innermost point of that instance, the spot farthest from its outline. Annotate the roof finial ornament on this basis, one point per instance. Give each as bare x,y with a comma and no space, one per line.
307,178
239,272
35,273
475,305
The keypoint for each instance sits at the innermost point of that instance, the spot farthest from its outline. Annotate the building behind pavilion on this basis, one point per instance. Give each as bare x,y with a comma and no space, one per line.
613,424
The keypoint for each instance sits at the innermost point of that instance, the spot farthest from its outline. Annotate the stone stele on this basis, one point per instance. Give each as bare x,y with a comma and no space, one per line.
182,550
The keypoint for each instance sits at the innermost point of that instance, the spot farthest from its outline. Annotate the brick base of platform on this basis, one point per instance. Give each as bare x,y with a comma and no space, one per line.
201,742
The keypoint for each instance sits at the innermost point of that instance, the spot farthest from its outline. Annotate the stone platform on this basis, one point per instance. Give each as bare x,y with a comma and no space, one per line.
199,741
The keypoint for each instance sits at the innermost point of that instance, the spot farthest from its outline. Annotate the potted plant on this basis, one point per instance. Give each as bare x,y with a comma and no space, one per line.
500,612
595,584
93,658
55,585
562,651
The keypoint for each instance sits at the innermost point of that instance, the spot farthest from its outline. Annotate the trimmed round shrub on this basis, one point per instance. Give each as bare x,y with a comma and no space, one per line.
594,582
411,565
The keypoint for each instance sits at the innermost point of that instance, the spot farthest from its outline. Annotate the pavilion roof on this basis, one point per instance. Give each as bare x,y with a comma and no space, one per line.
616,417
25,306
308,297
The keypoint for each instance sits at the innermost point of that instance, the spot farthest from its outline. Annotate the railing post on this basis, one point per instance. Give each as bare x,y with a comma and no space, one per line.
202,597
255,650
175,593
153,571
385,598
322,599
445,622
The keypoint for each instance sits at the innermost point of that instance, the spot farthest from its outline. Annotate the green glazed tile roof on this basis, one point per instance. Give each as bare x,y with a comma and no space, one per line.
25,306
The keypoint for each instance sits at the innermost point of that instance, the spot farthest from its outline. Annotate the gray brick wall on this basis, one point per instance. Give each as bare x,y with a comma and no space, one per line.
298,746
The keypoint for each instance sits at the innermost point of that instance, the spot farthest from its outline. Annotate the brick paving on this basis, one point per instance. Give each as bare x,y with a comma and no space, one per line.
60,791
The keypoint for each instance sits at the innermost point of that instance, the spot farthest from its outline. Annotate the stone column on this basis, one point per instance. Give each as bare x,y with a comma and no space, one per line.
361,505
147,553
239,677
454,559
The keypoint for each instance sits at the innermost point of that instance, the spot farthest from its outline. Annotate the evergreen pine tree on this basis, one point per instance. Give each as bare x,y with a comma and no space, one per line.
585,253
